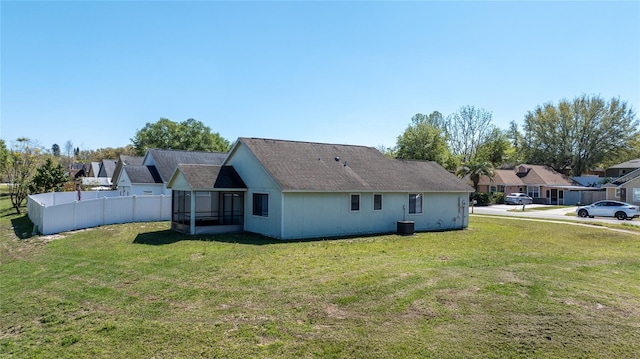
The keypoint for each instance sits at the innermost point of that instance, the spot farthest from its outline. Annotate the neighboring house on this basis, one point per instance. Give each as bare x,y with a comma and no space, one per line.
78,170
124,160
107,168
622,169
289,190
542,183
159,165
91,180
625,188
140,180
94,168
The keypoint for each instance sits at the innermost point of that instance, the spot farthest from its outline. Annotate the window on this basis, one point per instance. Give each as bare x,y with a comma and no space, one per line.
533,191
636,194
493,189
261,204
415,203
377,202
355,202
618,195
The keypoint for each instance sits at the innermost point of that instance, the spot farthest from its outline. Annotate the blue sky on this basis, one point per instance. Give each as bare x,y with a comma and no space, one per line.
336,72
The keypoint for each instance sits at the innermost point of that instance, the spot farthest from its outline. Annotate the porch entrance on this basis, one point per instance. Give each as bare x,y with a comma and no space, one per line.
556,197
211,209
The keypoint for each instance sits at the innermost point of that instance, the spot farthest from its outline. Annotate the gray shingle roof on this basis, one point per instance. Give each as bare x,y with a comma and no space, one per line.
167,160
131,160
210,176
635,163
307,166
107,167
142,174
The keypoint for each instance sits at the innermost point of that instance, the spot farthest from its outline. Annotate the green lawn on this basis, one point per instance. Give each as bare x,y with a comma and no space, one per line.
501,289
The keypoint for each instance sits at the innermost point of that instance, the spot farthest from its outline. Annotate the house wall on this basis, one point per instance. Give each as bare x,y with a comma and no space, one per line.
257,181
633,191
611,194
311,215
126,188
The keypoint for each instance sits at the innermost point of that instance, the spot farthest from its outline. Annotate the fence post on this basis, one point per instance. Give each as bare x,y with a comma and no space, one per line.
133,214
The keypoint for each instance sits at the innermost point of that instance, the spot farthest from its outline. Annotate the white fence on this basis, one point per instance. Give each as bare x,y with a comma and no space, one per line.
60,211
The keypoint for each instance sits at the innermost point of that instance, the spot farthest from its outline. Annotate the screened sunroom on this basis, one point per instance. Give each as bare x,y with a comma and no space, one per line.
207,199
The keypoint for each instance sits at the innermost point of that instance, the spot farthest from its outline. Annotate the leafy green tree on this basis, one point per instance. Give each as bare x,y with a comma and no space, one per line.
577,135
475,170
99,154
495,148
55,150
49,177
23,159
190,135
515,153
421,140
4,159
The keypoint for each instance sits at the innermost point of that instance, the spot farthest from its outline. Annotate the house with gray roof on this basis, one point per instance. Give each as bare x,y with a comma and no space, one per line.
150,174
291,190
124,160
625,188
622,169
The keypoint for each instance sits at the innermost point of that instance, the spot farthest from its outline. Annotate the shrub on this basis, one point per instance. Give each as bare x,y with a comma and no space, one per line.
497,198
482,199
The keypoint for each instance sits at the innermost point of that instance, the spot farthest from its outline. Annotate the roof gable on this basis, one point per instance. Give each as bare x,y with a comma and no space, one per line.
626,178
142,174
166,161
308,166
208,177
533,175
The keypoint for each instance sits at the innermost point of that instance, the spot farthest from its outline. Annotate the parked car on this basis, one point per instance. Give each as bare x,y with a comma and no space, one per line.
617,209
517,198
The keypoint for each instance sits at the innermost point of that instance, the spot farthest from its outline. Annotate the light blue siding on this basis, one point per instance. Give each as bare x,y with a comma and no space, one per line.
258,181
308,215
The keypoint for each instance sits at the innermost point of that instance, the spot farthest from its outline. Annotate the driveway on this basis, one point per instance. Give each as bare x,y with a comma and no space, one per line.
556,213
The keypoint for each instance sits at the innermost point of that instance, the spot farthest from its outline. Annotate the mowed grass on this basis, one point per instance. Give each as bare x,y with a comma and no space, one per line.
500,289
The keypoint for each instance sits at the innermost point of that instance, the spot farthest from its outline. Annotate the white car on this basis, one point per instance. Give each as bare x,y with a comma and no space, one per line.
617,209
517,198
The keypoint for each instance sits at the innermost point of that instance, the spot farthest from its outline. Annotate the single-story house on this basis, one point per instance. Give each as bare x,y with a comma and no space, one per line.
542,183
622,169
291,190
625,188
151,174
124,160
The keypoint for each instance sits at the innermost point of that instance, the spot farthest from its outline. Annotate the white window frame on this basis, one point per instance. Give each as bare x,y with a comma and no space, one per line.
417,211
636,194
618,193
532,191
493,189
374,202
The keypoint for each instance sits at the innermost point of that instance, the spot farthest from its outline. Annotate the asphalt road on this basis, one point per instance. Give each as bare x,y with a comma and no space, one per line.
556,213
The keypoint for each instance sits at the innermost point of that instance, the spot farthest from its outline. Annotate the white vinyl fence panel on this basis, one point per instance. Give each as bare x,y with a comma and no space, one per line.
96,211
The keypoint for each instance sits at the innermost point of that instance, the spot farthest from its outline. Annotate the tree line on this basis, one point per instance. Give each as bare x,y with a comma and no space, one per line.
571,137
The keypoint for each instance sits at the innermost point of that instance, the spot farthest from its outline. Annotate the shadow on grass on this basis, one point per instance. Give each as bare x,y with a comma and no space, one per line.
22,227
170,237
